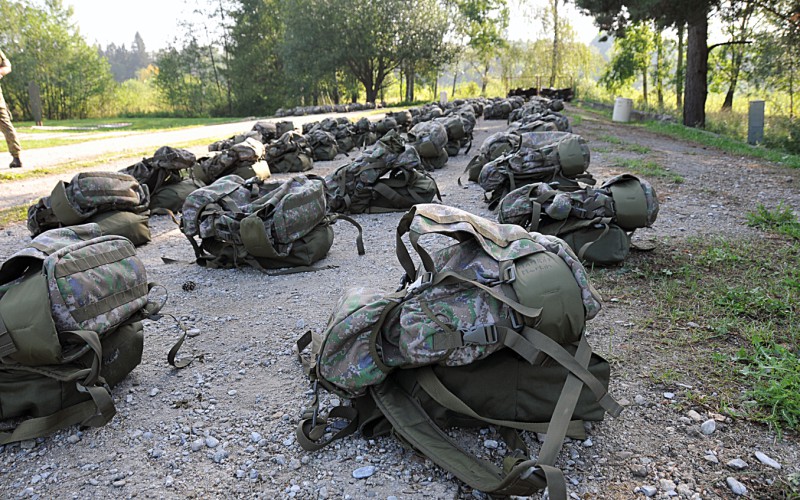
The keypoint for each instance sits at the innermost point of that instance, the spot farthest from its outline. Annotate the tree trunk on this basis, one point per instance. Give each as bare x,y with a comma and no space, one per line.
694,105
410,83
727,105
679,69
336,97
484,79
372,94
644,87
556,48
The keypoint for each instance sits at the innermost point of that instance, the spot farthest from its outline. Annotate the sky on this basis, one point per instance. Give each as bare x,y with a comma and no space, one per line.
114,21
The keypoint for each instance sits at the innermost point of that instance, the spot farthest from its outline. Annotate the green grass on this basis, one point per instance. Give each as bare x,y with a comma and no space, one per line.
729,309
649,168
636,148
13,215
780,220
732,146
133,125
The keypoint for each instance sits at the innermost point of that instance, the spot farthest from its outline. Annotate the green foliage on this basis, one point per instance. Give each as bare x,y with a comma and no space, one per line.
649,168
781,220
740,299
631,58
44,47
187,81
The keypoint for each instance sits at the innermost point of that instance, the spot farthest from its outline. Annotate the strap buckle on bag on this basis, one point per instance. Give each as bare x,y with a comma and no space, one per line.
424,280
517,321
510,274
479,334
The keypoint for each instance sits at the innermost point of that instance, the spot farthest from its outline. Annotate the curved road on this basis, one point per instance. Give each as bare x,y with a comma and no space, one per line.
25,191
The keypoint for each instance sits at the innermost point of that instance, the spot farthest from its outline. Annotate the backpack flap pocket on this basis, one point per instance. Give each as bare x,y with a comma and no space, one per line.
571,156
630,204
30,336
255,239
63,209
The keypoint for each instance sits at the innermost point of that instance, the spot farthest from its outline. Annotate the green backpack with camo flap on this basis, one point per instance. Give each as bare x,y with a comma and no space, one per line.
430,139
290,153
116,201
493,147
499,304
541,157
386,177
245,159
167,166
263,224
71,305
596,222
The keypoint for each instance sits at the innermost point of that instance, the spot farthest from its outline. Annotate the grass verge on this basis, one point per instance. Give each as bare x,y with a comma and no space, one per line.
726,309
649,168
13,215
77,166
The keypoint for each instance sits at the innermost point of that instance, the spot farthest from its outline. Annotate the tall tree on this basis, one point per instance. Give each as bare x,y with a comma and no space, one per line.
615,15
485,22
45,47
632,56
738,19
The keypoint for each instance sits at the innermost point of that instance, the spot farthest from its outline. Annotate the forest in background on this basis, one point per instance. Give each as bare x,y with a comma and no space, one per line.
250,57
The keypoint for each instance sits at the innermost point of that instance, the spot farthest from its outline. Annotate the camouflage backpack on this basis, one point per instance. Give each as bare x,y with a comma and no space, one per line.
386,177
456,132
596,222
290,153
501,308
364,134
115,201
430,139
323,145
71,302
493,147
541,157
245,159
236,139
165,167
266,225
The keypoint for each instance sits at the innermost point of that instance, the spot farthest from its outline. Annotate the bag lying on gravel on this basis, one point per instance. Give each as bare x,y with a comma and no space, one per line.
386,177
596,222
71,302
290,153
493,147
245,159
165,167
265,225
323,145
488,331
114,200
430,139
541,157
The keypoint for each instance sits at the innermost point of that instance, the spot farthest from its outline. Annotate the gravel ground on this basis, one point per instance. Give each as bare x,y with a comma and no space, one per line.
224,427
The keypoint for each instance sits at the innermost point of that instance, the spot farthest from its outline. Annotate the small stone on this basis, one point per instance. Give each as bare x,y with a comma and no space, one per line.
711,459
255,437
692,324
708,427
639,470
153,392
648,491
197,444
624,402
364,472
666,485
737,464
169,481
694,416
300,324
232,392
219,456
764,459
669,395
587,443
294,464
28,444
119,484
288,441
212,442
736,487
322,493
640,400
74,438
193,332
491,444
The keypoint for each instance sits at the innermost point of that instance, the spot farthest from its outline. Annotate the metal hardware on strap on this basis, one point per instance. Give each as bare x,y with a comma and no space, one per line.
517,323
479,334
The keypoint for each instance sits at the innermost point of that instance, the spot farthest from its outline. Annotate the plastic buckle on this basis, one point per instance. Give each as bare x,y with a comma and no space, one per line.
479,334
516,320
510,274
424,280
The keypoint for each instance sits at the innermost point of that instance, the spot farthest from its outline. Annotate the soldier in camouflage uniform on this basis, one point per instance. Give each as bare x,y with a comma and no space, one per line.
5,118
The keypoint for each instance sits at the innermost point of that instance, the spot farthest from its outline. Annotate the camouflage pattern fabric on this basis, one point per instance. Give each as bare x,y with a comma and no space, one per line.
429,139
236,139
540,157
323,145
165,167
286,211
222,163
437,319
539,205
290,153
85,196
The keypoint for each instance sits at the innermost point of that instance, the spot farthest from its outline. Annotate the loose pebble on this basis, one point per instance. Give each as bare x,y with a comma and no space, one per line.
364,472
737,464
736,487
766,460
708,427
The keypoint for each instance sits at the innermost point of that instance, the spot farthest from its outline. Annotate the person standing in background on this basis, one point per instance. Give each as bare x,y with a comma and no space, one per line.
5,117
